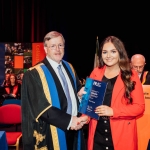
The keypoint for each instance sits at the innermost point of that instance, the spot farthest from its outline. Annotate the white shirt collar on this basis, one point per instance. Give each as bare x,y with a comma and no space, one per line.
53,63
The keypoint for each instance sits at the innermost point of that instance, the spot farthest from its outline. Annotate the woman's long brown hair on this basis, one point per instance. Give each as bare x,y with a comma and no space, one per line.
124,65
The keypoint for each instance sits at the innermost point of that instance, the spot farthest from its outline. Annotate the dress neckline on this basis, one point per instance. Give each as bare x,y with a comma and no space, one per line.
110,78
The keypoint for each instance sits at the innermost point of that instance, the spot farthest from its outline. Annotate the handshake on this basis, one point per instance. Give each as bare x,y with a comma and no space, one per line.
78,122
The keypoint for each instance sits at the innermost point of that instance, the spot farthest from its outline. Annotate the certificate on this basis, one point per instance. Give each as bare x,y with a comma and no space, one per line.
95,92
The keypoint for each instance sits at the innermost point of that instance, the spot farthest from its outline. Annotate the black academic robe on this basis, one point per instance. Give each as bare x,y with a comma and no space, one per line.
38,114
146,79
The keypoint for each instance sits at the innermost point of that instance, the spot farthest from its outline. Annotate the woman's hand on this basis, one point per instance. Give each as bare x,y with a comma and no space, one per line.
13,95
81,92
104,110
84,119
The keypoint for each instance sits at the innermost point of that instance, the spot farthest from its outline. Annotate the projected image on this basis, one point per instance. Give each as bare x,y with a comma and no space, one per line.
17,58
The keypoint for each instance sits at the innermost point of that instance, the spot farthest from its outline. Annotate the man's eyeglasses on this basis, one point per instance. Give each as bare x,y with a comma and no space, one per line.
54,47
138,67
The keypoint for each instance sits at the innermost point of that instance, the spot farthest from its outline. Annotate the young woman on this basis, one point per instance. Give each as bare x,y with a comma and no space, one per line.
13,90
123,103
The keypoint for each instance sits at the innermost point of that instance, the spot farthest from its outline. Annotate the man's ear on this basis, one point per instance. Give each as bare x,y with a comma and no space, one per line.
131,64
45,49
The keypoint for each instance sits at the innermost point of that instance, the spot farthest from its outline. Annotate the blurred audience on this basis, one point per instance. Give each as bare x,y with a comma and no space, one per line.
6,80
13,89
4,84
20,77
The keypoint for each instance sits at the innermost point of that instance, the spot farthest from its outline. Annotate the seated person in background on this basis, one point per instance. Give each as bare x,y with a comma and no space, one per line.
21,77
138,64
2,87
13,90
6,80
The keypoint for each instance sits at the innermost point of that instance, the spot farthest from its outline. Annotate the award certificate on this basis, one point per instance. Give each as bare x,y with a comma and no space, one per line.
95,92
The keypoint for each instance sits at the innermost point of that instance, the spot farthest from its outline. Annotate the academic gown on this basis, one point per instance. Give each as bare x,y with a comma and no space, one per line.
145,78
44,105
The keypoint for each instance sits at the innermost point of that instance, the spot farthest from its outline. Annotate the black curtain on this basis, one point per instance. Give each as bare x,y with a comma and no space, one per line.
80,23
29,20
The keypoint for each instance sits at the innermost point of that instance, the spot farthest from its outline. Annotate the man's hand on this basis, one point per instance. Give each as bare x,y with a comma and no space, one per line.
78,122
84,119
75,124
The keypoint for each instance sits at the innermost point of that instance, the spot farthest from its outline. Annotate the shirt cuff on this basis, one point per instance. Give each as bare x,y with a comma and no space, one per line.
69,124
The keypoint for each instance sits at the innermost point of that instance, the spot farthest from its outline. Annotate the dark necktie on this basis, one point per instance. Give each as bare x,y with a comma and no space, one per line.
69,108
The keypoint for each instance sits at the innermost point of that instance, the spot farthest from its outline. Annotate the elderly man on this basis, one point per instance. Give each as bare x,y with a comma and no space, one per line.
50,103
138,64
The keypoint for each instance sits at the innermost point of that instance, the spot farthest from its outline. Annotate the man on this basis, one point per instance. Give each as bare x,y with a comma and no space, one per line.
138,64
3,86
6,80
46,121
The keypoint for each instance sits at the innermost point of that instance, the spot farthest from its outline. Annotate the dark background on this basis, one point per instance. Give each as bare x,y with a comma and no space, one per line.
80,22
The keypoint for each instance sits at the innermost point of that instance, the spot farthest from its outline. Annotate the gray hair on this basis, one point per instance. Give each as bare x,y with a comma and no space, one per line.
50,35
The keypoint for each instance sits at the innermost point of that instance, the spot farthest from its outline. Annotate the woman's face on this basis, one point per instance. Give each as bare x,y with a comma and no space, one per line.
12,79
110,54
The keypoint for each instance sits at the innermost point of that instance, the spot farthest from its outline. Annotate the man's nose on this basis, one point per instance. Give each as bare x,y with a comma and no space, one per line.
138,68
57,47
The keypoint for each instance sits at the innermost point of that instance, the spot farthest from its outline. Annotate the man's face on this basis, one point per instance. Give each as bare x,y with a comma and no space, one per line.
138,65
7,76
55,49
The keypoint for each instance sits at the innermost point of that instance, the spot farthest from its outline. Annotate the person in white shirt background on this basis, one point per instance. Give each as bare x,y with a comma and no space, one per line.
138,63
